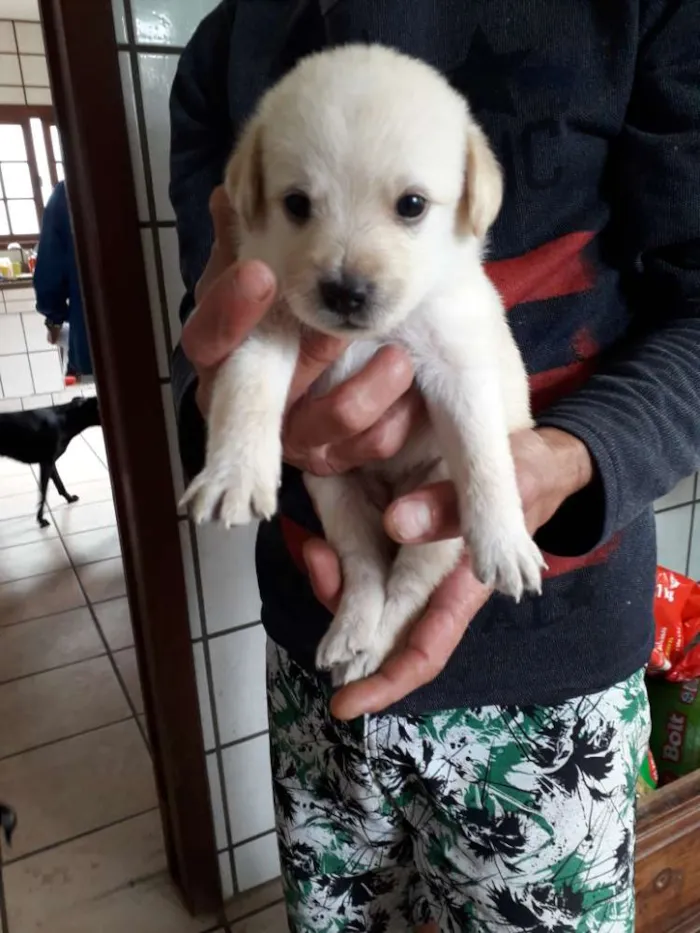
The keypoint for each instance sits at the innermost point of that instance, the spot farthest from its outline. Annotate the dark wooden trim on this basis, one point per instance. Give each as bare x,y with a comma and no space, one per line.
88,101
12,112
668,859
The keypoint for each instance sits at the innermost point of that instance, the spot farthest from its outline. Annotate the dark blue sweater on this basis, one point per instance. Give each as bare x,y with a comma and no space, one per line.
593,108
56,279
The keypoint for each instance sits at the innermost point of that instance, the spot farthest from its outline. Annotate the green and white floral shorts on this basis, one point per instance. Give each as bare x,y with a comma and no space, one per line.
490,820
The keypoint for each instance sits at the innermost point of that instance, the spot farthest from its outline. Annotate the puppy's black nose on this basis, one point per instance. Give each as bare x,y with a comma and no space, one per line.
345,296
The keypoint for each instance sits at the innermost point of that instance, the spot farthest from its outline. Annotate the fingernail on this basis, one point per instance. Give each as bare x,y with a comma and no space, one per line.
412,520
255,281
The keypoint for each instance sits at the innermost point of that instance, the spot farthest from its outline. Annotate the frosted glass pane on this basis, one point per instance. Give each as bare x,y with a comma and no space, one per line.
12,148
16,180
4,223
59,171
23,218
56,143
42,159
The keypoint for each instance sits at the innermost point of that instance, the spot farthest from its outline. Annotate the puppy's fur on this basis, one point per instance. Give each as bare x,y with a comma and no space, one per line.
41,436
348,134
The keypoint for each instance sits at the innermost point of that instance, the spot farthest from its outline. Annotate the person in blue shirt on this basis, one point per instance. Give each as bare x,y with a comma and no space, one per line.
57,284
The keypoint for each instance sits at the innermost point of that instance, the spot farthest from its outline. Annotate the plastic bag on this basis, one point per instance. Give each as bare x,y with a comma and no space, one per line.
676,654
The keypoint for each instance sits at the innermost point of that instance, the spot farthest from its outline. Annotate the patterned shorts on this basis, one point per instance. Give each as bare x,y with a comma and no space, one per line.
490,820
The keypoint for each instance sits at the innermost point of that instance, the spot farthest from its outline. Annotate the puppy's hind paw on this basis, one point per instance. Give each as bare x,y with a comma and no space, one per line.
511,564
349,648
234,497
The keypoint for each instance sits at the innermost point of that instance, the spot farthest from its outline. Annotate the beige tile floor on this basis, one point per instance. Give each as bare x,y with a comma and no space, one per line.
88,852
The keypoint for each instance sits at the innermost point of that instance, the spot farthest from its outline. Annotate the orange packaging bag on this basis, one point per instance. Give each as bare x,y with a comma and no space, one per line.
676,654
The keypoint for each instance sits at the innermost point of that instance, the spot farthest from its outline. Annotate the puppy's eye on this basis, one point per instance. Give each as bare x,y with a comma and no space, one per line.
411,206
297,206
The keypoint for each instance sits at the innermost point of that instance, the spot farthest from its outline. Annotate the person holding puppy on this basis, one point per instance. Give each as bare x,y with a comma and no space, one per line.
484,778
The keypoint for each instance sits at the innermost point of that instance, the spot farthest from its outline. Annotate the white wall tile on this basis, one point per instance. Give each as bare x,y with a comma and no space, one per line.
16,376
229,584
171,428
672,537
30,38
257,862
11,335
46,369
11,95
19,306
9,404
682,493
217,802
200,668
157,73
171,23
133,131
119,20
13,295
35,71
174,288
154,299
7,37
36,401
21,9
39,96
190,580
227,890
9,70
34,331
248,776
238,671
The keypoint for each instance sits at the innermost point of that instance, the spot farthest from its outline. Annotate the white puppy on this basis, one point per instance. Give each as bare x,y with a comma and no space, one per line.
365,184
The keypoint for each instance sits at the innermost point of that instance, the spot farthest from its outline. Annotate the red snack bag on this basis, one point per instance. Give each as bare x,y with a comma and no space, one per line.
676,652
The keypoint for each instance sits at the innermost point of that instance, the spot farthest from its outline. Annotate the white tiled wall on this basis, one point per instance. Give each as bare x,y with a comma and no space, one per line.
228,640
30,368
678,528
24,77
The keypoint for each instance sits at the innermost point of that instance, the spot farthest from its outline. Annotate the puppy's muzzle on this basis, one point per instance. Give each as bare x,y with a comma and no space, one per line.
348,297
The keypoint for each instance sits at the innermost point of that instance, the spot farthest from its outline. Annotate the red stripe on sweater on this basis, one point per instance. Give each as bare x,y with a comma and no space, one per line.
553,270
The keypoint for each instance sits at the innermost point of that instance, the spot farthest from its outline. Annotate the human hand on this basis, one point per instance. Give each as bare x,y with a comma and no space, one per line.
551,466
53,333
369,417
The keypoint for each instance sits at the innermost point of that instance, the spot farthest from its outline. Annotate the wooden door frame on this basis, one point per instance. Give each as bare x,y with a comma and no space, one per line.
83,62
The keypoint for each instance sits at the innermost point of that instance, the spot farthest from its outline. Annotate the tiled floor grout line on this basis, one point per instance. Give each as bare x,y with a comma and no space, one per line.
56,667
100,527
47,615
74,566
255,913
78,836
113,663
67,738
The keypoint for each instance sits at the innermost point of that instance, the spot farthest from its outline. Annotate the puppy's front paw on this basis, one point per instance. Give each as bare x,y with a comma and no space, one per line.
233,494
348,648
505,557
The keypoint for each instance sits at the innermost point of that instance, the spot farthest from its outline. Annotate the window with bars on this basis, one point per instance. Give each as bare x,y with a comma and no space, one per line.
31,164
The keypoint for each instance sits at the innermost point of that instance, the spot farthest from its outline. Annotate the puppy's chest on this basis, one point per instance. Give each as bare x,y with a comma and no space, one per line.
385,479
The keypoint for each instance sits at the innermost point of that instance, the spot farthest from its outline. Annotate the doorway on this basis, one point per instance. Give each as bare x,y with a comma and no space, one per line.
101,748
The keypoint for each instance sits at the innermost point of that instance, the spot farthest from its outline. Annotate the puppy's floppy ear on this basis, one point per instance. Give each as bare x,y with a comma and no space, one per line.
483,187
245,180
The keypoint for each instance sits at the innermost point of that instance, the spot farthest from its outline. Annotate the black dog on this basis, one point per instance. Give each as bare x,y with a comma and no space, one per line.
8,821
42,435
